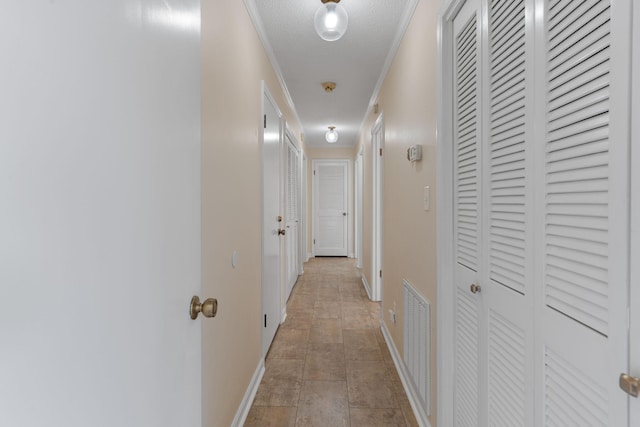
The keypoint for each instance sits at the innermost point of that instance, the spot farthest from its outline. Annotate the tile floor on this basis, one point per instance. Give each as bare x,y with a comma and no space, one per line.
329,365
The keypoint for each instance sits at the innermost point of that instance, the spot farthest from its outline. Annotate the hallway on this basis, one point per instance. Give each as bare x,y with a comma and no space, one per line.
329,364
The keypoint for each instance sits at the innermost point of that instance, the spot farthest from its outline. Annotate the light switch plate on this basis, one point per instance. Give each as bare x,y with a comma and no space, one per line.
427,198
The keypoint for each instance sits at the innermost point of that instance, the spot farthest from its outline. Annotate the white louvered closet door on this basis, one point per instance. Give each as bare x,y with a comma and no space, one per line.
541,212
468,309
507,244
292,217
583,241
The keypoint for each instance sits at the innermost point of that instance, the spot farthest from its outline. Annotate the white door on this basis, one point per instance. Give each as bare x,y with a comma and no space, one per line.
583,249
273,223
467,134
303,257
330,207
292,214
377,235
541,183
634,333
359,212
99,214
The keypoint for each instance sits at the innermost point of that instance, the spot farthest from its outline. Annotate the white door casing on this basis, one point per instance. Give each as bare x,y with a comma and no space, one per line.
331,202
100,214
377,145
359,213
634,332
292,211
272,219
564,197
303,212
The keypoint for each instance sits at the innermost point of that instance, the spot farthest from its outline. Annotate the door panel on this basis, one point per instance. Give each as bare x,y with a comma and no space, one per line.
377,200
508,244
634,333
466,215
292,193
272,222
331,197
99,214
585,218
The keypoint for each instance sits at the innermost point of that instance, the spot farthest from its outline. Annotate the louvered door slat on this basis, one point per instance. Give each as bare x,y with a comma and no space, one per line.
466,151
571,399
506,372
507,141
466,361
577,162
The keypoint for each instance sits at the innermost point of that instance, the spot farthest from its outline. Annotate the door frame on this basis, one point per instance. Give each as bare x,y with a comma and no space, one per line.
304,257
358,205
290,137
267,97
377,233
314,213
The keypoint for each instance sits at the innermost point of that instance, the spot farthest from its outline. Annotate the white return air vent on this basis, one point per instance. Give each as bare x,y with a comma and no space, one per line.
416,342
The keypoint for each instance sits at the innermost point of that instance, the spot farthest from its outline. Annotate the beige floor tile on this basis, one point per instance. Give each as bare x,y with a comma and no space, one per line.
319,368
369,385
271,416
361,344
365,417
330,351
326,331
327,310
278,393
323,404
289,343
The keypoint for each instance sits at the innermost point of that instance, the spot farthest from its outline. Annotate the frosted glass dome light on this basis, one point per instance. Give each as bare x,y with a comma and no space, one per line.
331,20
332,135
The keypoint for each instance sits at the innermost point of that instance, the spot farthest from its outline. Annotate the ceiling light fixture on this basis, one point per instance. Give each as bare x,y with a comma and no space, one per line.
328,86
331,20
332,135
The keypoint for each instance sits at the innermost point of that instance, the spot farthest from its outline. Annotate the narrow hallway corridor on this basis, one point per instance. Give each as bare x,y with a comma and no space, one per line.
329,364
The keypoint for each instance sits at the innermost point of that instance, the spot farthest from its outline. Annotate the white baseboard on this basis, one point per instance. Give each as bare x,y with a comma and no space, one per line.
250,394
418,410
284,316
366,285
309,256
352,255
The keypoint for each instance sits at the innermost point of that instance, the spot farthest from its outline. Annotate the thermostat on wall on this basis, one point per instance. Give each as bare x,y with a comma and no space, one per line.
414,153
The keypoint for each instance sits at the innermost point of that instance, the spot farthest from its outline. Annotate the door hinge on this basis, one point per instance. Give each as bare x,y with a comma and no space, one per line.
265,121
314,241
265,320
380,273
380,150
314,172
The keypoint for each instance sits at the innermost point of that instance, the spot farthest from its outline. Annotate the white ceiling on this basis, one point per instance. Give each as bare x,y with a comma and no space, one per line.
356,63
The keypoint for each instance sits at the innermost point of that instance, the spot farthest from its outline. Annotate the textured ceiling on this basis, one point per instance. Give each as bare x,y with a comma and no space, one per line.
355,62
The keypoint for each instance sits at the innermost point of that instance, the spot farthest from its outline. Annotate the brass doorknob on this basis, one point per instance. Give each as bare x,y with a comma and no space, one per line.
281,232
631,385
475,288
208,308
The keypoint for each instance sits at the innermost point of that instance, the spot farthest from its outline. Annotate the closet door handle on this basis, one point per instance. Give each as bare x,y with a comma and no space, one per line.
475,288
631,385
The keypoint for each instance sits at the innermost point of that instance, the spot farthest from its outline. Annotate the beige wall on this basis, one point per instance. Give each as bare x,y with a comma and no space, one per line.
320,153
408,101
233,65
